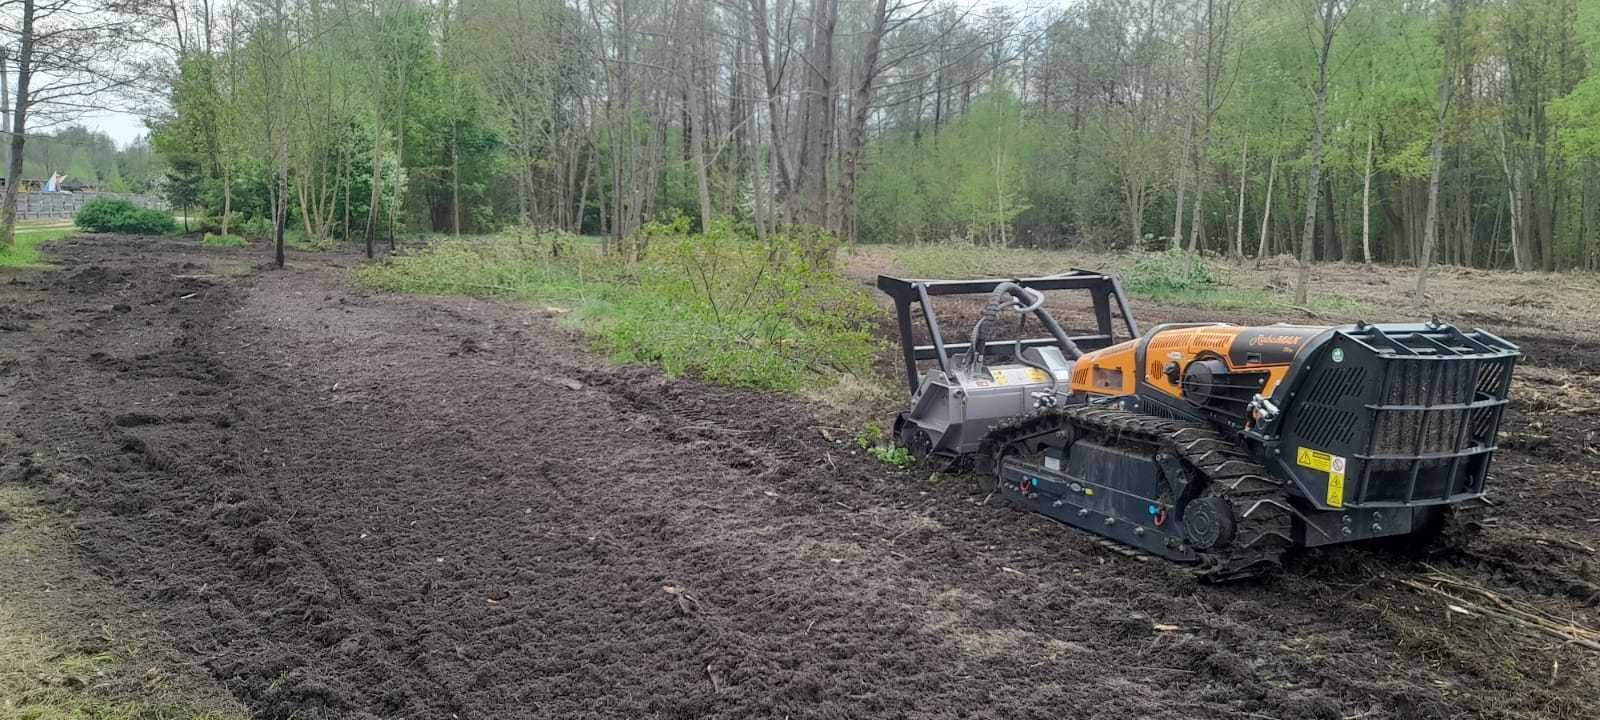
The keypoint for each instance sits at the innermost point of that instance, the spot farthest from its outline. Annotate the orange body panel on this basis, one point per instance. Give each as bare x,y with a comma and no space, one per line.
1111,371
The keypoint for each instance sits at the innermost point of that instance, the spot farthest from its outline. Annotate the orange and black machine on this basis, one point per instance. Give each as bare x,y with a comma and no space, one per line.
1206,443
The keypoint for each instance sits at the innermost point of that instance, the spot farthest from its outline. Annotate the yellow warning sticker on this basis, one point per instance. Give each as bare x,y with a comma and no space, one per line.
1336,483
1329,463
1018,375
1314,459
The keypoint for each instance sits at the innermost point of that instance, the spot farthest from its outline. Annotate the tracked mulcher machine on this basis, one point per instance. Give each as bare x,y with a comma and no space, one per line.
1204,443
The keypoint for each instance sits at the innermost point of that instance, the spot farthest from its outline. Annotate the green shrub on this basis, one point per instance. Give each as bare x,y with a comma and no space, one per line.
892,455
224,241
299,240
121,216
1171,271
719,303
258,228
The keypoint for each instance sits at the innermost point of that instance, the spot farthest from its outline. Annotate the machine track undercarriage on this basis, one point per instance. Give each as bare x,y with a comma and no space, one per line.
1218,507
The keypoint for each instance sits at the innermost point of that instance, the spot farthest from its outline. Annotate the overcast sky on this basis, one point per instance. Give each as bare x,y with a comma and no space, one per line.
122,127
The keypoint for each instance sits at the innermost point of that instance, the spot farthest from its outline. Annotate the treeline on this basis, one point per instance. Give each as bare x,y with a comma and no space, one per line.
1462,130
1375,129
93,158
585,115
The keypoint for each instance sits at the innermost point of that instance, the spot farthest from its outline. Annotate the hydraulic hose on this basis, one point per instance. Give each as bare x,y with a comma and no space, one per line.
1006,295
1010,295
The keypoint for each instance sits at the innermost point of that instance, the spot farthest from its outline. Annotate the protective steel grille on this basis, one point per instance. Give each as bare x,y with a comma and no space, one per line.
1319,420
1409,411
1433,426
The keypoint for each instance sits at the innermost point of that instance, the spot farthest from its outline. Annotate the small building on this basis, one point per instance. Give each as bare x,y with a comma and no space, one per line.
27,184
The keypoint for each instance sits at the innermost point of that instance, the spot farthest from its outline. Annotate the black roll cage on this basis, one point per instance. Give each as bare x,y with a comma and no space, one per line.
1103,289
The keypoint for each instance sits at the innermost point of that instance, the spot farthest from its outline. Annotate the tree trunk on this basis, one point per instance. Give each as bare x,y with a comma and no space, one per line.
280,214
1302,286
5,90
816,119
1177,214
1136,194
19,126
697,150
1244,166
1194,222
1329,12
773,83
860,104
227,197
1266,212
1330,228
455,182
1366,205
1430,228
377,189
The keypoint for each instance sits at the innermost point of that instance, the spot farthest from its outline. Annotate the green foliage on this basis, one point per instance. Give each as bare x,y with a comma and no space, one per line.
183,183
92,157
257,228
121,216
1171,271
229,240
892,455
879,445
1579,112
967,183
296,237
718,304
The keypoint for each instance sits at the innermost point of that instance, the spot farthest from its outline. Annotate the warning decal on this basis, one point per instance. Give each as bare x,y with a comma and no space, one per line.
1336,483
1329,463
1018,375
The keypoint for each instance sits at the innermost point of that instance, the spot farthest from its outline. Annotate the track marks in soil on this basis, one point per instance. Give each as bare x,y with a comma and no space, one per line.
345,504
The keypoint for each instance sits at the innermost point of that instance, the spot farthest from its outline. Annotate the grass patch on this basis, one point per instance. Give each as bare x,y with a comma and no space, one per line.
954,259
224,241
719,304
25,251
298,239
1171,277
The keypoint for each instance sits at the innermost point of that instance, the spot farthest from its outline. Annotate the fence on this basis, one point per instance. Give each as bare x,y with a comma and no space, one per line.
65,205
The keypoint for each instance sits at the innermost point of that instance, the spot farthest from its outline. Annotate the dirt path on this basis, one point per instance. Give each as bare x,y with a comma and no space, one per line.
331,503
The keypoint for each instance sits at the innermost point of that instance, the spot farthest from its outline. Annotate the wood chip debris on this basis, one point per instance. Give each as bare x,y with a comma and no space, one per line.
1466,598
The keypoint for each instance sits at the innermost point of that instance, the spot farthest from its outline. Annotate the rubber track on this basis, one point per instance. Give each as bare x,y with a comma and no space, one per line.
1264,531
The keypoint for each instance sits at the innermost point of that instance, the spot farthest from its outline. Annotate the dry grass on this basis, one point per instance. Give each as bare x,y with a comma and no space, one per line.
44,676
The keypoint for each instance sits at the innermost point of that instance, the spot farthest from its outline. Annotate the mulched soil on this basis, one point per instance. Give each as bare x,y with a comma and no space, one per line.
332,503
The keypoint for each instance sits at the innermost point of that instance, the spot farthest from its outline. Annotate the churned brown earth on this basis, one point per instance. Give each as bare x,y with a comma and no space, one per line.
302,499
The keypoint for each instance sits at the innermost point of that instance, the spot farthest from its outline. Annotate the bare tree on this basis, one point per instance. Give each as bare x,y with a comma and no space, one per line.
1454,48
1323,24
70,59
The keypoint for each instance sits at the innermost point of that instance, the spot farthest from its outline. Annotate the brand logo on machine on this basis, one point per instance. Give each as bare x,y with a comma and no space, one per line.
1338,355
1284,340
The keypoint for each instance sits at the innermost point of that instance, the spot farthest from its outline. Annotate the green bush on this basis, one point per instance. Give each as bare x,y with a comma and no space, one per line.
121,216
1171,271
719,304
259,228
224,241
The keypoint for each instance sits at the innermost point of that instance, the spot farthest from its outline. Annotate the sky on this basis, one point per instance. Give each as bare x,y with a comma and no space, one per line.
122,127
